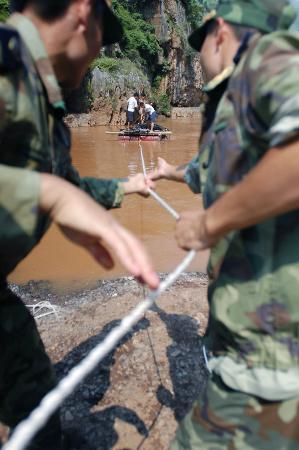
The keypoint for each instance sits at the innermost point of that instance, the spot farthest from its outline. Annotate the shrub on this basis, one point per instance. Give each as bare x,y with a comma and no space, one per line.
162,102
139,42
4,10
194,11
106,64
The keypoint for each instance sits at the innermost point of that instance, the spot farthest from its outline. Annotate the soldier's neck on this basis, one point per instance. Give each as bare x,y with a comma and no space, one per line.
55,35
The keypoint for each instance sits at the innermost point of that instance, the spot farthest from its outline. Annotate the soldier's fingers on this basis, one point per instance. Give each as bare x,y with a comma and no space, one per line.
140,280
154,175
150,183
161,161
186,238
101,255
145,194
141,260
122,252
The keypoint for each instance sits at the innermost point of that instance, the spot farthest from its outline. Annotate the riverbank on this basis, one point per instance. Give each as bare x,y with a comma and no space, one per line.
135,397
107,117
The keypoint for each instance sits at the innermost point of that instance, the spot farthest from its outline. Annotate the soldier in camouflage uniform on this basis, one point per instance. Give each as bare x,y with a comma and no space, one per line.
49,43
247,173
25,370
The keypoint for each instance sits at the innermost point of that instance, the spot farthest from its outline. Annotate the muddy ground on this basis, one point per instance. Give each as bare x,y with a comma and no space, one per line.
136,396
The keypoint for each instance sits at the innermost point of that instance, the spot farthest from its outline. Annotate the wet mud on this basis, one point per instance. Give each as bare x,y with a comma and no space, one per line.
138,393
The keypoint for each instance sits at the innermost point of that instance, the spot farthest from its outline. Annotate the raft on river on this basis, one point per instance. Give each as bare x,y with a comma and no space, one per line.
142,133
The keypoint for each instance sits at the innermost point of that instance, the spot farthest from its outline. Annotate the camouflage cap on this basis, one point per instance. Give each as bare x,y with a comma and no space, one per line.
266,16
113,30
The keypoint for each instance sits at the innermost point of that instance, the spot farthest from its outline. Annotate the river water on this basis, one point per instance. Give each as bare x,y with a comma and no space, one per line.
97,154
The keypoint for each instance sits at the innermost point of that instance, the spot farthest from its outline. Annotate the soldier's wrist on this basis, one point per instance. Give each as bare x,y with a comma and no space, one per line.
213,225
125,185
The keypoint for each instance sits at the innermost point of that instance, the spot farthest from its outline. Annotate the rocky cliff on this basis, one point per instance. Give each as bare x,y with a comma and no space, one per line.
183,80
154,57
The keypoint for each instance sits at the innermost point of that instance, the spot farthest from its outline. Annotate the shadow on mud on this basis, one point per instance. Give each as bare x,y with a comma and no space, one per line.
98,431
186,363
187,371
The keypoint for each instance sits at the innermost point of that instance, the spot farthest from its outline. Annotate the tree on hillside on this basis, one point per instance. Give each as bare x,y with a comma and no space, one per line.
4,9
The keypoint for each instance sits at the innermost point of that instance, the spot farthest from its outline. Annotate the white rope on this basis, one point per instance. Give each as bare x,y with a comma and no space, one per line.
164,204
206,358
36,309
154,194
27,429
176,216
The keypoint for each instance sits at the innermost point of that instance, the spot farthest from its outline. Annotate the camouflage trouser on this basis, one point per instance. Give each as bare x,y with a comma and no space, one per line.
26,374
226,419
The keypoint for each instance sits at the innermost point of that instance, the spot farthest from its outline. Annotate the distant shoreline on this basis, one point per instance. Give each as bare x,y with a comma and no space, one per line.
102,118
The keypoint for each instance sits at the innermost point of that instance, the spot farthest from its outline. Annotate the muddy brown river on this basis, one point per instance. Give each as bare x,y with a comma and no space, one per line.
98,154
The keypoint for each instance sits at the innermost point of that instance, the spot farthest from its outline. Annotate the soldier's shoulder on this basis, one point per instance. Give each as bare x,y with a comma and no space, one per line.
272,44
10,48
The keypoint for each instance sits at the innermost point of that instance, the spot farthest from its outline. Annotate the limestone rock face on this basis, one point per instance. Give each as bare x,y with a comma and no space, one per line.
104,93
184,81
108,102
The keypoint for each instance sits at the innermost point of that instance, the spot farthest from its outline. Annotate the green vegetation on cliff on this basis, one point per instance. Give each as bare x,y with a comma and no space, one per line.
4,10
194,11
141,46
139,42
117,65
140,52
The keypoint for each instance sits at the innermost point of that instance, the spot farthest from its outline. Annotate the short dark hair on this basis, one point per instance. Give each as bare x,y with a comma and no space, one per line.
136,94
45,9
240,31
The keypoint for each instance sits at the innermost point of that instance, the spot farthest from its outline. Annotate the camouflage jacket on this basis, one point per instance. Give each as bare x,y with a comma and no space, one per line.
19,194
32,132
254,315
214,91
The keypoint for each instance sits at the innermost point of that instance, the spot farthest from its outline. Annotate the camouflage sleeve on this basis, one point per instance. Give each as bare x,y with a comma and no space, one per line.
108,192
191,176
274,87
19,197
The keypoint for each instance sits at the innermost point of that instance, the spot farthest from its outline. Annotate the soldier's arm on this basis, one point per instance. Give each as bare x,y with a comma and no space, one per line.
19,194
24,193
136,184
270,189
184,173
166,171
110,192
89,225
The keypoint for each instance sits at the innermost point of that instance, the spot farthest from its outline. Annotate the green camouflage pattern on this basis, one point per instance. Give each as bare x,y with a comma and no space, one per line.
191,176
33,139
266,16
224,419
214,91
32,132
254,314
19,194
26,374
254,310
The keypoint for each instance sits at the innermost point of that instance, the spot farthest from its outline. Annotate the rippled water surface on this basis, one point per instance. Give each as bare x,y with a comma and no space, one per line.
97,154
